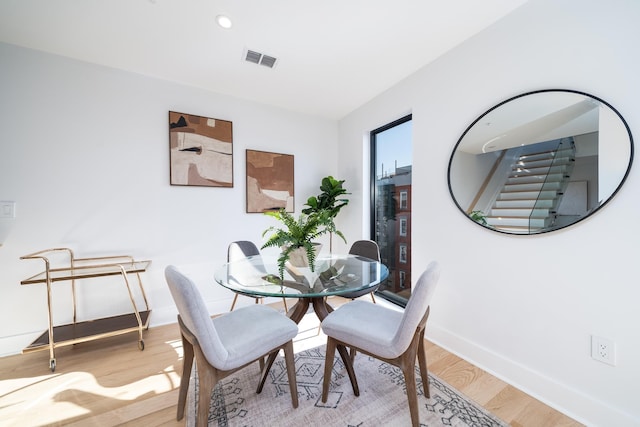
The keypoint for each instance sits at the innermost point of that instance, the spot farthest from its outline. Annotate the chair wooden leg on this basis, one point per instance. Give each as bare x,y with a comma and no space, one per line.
284,301
291,372
207,380
346,359
410,382
407,362
422,361
265,370
233,303
187,364
373,298
328,367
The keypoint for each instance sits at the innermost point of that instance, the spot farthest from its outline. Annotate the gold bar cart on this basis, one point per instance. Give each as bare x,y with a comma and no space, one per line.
87,268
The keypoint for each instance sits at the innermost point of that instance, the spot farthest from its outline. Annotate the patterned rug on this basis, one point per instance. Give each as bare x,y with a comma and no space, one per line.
382,400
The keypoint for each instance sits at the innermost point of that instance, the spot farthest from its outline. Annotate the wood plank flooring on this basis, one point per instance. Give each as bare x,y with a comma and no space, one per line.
111,382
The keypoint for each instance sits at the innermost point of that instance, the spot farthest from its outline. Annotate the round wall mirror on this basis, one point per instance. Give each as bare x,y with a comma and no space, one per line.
540,161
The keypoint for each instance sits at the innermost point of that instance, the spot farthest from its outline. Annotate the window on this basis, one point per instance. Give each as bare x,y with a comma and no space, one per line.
391,163
403,200
403,254
403,226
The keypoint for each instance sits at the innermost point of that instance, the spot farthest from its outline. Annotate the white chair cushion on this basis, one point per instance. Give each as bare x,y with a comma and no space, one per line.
249,332
368,326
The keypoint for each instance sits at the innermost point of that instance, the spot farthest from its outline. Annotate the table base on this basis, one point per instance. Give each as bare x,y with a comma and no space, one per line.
322,310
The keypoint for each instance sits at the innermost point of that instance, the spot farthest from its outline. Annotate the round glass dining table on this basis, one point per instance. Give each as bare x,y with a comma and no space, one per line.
259,276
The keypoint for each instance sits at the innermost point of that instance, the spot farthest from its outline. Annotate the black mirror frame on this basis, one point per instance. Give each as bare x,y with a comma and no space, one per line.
622,181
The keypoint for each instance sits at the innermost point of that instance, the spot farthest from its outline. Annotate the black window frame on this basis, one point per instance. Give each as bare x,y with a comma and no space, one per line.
372,192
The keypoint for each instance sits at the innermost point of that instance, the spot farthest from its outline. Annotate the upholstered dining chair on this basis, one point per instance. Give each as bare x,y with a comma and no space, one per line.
368,249
242,249
227,343
385,334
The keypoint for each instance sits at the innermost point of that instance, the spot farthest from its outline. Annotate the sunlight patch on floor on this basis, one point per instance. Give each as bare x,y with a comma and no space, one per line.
56,393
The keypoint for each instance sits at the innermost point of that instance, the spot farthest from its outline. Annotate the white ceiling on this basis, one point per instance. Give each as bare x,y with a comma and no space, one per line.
333,55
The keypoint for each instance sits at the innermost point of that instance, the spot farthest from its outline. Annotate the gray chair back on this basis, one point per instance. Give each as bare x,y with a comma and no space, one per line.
366,248
419,301
241,249
195,316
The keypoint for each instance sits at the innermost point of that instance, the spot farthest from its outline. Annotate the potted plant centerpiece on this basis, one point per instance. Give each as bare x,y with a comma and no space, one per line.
296,235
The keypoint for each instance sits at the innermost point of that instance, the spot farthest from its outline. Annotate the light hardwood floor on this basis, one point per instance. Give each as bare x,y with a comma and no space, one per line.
110,382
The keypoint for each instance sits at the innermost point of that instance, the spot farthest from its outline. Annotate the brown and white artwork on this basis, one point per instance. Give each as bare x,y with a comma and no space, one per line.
201,150
269,181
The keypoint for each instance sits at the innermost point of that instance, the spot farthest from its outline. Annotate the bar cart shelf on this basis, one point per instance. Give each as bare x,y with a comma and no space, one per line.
87,268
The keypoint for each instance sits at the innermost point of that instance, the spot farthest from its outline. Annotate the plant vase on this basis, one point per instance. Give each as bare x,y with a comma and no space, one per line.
298,257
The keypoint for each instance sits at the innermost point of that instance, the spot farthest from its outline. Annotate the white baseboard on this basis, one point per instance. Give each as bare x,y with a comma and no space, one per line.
13,345
571,402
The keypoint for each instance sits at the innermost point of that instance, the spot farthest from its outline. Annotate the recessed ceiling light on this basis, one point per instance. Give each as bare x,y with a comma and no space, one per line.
224,21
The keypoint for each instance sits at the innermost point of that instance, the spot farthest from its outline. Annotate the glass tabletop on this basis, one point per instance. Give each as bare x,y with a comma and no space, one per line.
334,275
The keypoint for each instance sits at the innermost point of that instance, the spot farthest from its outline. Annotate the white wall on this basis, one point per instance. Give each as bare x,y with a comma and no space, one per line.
524,307
84,153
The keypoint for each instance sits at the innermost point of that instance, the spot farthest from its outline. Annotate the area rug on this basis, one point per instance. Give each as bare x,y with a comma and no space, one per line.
382,400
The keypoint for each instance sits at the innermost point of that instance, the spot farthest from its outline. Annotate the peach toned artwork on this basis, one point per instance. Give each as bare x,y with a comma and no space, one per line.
269,181
201,150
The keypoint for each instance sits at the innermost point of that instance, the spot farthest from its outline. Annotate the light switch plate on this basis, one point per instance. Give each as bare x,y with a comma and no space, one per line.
7,209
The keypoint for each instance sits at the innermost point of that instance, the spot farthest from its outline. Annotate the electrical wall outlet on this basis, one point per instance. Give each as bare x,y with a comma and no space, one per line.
7,209
603,350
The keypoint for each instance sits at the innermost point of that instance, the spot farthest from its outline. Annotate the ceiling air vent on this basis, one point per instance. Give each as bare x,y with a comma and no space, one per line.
260,58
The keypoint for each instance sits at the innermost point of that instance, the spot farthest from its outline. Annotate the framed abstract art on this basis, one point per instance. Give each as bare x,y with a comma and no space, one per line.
269,181
201,150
